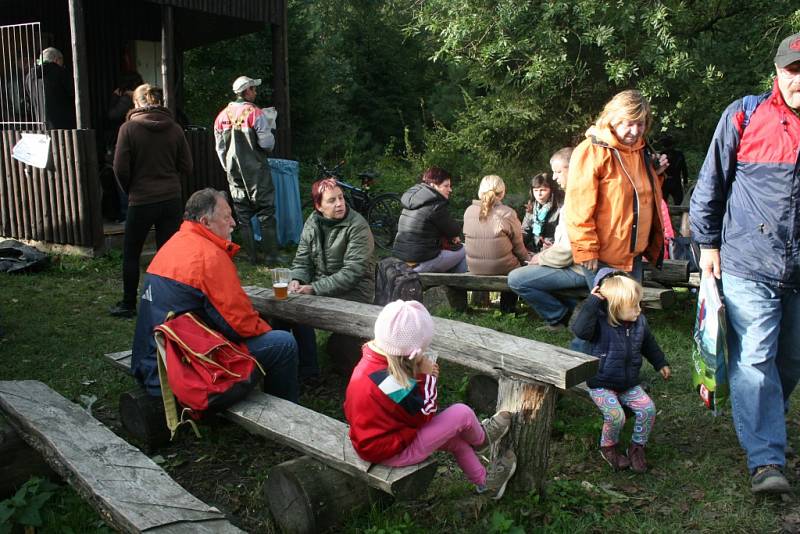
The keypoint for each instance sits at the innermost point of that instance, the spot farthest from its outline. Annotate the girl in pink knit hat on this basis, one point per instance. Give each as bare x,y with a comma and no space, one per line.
391,405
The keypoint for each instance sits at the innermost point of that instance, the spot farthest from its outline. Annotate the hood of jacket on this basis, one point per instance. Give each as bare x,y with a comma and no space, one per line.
420,195
606,135
604,273
154,118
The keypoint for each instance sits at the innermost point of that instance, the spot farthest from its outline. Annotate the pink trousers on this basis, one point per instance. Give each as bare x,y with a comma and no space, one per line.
455,430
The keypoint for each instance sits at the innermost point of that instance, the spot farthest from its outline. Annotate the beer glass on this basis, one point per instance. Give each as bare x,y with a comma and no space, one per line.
280,283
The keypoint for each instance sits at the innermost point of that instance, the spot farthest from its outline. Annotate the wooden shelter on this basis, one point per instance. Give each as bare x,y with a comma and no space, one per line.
60,205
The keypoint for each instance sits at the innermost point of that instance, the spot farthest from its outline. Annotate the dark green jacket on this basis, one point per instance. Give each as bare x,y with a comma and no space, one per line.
337,257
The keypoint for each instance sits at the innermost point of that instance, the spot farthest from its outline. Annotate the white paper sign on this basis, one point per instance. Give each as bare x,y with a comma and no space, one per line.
33,149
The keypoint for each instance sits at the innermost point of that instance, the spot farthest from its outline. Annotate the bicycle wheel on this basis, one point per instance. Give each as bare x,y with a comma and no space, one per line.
382,217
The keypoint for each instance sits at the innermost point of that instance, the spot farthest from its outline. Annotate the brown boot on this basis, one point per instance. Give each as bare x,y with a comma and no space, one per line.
614,458
636,457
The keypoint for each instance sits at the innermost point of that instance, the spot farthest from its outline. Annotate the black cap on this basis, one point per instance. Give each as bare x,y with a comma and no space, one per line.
788,51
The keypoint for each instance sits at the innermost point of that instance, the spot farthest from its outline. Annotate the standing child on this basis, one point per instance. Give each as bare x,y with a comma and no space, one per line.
391,401
541,212
612,323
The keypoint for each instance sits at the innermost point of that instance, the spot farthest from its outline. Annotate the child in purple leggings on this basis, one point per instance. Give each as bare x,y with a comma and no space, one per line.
612,322
391,405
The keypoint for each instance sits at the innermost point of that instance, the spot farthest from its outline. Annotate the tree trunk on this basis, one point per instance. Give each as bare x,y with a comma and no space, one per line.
533,405
482,393
18,461
305,496
143,417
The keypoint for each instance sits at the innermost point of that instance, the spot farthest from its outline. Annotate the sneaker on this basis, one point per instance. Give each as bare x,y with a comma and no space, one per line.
122,310
614,458
636,458
495,427
769,479
498,475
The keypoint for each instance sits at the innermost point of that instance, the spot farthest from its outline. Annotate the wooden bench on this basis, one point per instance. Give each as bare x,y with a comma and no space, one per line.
457,285
529,372
127,488
300,503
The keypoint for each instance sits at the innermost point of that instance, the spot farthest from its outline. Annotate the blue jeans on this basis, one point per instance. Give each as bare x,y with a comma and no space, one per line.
533,284
448,261
276,351
763,363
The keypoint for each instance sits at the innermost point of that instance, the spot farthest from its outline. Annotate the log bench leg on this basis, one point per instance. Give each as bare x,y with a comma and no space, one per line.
306,496
457,298
18,461
344,352
534,408
143,417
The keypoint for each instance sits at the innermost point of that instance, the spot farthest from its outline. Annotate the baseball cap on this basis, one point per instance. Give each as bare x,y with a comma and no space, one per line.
788,51
243,82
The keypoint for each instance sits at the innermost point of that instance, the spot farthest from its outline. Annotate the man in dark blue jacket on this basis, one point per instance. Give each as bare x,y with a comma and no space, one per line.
745,215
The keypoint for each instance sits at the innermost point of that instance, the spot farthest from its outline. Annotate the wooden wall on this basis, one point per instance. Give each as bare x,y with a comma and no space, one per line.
57,205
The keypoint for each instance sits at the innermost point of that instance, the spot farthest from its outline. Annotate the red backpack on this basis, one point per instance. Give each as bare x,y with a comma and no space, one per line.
203,370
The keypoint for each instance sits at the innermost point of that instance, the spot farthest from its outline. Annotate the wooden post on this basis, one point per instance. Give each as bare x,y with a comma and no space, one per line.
143,417
280,80
79,64
168,56
533,406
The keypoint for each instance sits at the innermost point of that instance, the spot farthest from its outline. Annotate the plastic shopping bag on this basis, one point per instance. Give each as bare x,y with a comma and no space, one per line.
710,369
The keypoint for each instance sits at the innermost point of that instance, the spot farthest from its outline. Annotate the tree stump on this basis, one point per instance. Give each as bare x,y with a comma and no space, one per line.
533,406
306,496
143,417
344,352
482,393
18,461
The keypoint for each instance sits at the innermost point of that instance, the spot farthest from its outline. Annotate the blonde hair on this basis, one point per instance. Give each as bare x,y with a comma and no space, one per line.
148,95
490,191
628,105
402,368
620,291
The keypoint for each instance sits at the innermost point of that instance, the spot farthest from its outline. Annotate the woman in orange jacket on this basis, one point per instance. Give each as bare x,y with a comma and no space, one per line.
614,191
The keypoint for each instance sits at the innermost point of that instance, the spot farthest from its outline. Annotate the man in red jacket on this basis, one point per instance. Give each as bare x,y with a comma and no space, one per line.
194,271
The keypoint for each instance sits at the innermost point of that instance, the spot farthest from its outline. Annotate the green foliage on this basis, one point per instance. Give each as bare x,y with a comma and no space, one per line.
541,71
26,506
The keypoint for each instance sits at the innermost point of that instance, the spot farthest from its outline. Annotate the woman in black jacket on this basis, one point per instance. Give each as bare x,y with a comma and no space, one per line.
426,233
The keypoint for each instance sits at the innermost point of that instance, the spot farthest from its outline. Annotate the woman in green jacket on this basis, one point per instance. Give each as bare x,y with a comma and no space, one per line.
335,258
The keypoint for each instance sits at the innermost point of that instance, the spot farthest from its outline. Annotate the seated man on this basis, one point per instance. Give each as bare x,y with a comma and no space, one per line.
194,271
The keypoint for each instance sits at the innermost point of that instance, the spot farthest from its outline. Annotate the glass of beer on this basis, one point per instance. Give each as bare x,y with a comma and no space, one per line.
280,283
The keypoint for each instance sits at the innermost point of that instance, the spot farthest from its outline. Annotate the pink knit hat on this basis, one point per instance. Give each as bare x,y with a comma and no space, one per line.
403,328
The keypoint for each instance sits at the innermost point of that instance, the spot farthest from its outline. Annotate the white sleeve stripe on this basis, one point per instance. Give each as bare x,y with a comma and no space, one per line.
431,394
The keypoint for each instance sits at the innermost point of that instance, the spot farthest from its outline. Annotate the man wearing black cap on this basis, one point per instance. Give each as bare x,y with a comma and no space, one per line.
243,133
745,215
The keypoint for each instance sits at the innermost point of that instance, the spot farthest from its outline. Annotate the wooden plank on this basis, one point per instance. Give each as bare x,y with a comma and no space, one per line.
317,435
654,298
476,347
127,488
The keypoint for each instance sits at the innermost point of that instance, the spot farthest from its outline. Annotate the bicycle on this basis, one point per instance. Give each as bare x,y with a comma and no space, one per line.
381,211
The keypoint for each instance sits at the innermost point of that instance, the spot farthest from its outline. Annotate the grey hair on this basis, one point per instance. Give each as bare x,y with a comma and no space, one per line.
202,204
51,55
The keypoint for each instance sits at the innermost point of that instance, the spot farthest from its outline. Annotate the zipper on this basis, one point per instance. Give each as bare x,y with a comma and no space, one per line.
627,353
635,232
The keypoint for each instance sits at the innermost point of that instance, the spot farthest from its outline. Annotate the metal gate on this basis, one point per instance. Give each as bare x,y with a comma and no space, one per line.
22,90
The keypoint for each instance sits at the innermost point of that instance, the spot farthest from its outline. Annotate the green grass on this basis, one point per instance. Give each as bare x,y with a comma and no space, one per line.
57,331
